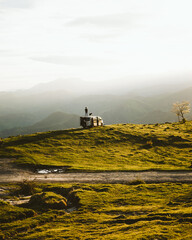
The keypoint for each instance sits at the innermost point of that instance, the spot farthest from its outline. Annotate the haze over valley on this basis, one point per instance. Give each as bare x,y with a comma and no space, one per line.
58,104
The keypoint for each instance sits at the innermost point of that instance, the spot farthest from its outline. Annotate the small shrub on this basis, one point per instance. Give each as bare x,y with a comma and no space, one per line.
27,187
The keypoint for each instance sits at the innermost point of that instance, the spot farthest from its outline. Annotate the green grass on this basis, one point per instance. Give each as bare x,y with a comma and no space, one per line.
106,211
9,213
120,147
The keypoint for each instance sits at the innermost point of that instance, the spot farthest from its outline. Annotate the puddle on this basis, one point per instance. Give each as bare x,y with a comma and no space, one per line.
45,171
52,170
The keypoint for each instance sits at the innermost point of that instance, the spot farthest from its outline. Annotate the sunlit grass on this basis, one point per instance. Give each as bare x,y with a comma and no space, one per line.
107,211
120,147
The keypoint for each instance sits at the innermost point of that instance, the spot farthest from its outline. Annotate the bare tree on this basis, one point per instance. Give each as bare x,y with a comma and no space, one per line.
180,109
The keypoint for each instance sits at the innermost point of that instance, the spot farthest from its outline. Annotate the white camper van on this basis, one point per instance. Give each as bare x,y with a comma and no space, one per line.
89,121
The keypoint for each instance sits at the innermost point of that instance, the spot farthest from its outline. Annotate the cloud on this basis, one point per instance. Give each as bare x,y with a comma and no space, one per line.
16,3
101,37
4,51
107,27
75,60
109,21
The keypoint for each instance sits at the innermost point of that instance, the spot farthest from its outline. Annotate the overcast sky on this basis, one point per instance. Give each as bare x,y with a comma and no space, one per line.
95,40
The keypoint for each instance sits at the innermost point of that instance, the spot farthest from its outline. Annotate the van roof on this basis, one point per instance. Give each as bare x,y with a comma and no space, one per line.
90,116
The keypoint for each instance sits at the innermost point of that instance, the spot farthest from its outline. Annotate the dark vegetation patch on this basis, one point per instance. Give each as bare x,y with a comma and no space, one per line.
72,200
47,197
47,200
185,199
26,188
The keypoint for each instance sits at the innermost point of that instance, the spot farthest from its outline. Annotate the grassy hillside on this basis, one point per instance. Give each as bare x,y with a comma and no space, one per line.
101,211
120,147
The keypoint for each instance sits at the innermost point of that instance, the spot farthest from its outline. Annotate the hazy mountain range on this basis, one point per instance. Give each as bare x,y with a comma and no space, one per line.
58,104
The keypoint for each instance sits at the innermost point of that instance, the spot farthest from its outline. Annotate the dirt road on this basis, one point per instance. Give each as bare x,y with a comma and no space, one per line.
11,173
102,177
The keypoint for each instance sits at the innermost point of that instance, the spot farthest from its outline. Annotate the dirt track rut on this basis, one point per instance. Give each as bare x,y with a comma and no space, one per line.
102,177
11,173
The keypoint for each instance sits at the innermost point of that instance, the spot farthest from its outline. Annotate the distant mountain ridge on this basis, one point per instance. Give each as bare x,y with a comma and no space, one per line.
53,107
55,121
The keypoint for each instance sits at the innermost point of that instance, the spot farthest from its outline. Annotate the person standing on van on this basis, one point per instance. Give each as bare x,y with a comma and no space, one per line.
86,111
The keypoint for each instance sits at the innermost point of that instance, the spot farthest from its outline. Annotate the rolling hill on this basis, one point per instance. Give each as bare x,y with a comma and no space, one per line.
121,147
131,210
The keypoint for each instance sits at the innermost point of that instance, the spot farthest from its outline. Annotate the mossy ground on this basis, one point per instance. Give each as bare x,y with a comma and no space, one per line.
120,147
105,211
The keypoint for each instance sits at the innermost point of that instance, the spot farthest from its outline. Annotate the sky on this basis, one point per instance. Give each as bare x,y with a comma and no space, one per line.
94,40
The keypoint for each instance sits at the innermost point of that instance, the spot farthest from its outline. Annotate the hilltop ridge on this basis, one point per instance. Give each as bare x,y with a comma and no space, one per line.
121,147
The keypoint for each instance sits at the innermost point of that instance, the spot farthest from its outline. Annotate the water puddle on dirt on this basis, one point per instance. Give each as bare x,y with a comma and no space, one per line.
47,170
